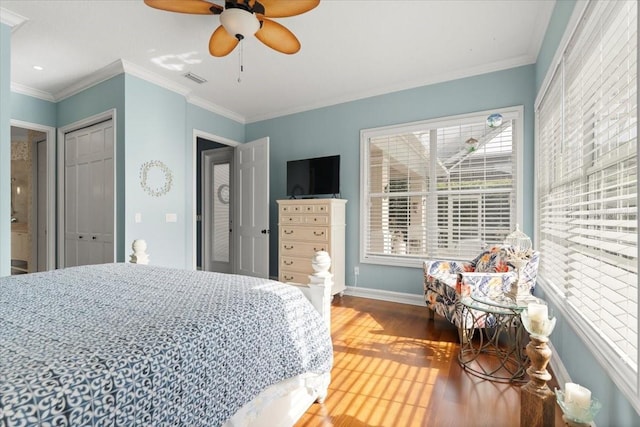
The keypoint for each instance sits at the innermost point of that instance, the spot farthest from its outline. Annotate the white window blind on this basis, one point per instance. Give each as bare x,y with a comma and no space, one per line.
441,188
587,182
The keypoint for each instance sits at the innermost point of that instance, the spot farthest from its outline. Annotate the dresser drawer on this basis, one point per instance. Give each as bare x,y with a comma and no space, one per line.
302,249
291,209
303,208
314,234
302,265
293,276
292,219
316,219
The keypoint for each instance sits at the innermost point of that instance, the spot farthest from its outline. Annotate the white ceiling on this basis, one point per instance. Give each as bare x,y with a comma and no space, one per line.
350,49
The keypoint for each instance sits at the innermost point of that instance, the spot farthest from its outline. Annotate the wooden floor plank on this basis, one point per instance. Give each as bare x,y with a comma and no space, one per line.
393,366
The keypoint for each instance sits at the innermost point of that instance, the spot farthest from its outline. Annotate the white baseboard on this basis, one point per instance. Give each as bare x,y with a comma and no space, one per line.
559,370
399,297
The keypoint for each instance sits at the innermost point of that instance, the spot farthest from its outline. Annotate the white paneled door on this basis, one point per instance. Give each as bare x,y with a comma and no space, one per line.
252,220
89,195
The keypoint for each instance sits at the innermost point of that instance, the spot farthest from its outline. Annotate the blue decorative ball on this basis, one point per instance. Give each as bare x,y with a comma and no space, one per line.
494,120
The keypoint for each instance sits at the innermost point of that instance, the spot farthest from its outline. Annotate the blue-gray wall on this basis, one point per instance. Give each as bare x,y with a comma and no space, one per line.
336,130
33,110
575,355
156,119
5,150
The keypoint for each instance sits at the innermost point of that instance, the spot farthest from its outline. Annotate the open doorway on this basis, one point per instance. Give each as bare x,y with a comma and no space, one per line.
214,170
248,204
217,209
31,211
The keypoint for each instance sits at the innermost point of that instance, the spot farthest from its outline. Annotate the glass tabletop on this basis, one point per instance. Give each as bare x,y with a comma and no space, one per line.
498,303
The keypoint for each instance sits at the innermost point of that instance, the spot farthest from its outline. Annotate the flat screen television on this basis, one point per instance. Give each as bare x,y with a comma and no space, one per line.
311,177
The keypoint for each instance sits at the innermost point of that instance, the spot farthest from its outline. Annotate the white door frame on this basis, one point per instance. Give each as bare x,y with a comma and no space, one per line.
89,121
51,185
194,196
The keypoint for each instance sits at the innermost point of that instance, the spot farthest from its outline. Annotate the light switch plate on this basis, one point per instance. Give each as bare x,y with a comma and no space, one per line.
138,217
171,217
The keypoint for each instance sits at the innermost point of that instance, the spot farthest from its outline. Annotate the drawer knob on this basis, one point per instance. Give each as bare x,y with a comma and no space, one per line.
288,247
315,233
286,262
288,231
288,277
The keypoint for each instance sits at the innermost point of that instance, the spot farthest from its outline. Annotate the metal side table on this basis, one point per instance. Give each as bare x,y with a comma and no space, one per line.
493,339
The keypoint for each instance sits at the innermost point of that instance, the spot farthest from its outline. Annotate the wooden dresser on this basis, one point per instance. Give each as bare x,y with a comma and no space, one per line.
305,227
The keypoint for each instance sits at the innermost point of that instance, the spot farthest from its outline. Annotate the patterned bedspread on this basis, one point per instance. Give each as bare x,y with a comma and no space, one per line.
124,344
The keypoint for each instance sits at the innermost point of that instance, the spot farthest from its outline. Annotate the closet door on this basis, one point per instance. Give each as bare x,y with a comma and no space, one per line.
89,195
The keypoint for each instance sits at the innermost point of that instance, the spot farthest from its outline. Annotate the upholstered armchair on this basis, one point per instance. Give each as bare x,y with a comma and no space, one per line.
492,273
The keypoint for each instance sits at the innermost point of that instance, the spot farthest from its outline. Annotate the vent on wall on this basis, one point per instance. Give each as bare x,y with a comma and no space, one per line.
195,78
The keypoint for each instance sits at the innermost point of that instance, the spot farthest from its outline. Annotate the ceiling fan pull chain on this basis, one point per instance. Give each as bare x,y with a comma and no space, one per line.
241,61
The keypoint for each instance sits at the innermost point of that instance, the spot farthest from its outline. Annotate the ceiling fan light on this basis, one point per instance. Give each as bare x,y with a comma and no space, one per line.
239,23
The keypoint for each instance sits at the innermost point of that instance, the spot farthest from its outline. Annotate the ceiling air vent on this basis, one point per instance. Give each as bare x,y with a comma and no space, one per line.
195,78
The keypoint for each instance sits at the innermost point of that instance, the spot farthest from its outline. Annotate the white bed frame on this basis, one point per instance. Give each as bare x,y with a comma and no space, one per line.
282,404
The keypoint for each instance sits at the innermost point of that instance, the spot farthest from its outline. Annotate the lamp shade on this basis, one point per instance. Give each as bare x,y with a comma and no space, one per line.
239,23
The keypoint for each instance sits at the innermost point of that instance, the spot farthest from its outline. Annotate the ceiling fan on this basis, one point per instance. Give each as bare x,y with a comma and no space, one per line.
243,18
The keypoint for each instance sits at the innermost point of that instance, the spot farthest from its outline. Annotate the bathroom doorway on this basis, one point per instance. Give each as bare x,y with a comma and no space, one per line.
29,199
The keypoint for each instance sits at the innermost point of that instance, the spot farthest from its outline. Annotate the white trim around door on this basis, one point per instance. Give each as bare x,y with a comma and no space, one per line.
86,122
194,196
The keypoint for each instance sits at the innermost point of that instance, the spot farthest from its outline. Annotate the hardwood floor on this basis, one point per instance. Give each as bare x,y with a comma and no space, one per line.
393,366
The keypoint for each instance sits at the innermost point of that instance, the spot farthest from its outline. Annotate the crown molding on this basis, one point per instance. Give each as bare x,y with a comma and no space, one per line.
217,109
151,77
158,80
11,19
91,80
29,91
542,23
431,80
122,66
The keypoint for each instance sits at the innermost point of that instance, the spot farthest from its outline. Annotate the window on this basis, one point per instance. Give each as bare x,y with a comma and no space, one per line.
587,186
438,188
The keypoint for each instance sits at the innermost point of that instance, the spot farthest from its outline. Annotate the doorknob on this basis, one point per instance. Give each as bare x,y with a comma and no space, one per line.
265,231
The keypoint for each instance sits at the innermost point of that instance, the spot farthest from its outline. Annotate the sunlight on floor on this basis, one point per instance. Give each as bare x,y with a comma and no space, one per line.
384,372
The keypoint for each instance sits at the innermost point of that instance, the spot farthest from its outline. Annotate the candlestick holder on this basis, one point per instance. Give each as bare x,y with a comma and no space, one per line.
538,328
575,415
537,406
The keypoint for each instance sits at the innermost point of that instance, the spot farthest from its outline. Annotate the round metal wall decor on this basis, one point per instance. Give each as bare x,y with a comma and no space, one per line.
223,194
156,178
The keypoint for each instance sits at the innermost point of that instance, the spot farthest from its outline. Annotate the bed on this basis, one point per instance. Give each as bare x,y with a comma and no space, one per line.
126,344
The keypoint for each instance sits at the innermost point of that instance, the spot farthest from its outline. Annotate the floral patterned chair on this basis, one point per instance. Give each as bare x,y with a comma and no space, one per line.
490,273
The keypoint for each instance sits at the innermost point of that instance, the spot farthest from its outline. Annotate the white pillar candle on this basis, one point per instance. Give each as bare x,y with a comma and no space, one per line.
538,314
576,398
537,311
